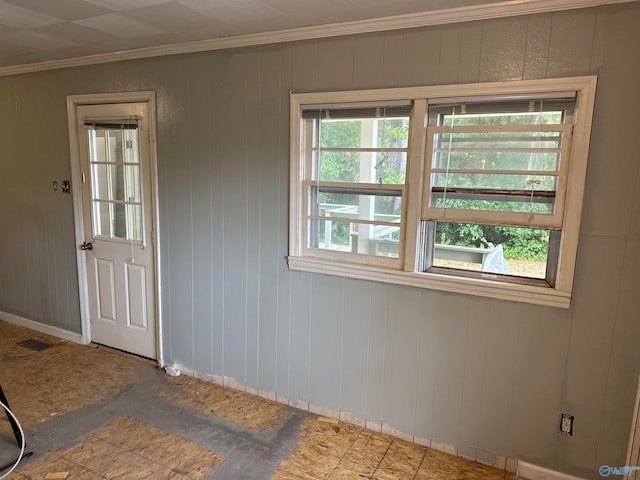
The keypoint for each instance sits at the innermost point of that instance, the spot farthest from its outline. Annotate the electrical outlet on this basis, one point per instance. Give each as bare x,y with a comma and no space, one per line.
566,424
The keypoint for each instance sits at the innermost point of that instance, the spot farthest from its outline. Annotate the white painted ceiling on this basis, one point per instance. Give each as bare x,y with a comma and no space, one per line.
33,31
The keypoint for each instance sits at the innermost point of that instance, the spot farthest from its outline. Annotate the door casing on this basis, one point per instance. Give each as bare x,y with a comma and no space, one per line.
73,101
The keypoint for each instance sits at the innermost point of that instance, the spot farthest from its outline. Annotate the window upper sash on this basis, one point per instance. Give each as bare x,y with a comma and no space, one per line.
498,162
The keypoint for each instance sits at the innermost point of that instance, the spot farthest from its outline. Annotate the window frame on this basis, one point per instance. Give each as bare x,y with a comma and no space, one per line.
498,217
417,179
308,149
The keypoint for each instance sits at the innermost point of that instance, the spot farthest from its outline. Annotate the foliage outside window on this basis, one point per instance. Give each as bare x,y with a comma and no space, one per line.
466,188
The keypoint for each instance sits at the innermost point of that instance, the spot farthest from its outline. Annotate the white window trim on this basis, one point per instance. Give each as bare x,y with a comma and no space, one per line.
558,296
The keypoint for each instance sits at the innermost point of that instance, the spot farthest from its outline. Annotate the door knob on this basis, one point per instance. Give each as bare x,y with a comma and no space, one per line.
86,246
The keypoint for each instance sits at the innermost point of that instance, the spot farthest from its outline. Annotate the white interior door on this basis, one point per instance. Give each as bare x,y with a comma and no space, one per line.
118,225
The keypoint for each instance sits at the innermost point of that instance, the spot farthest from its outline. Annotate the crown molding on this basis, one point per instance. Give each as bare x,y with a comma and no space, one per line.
509,8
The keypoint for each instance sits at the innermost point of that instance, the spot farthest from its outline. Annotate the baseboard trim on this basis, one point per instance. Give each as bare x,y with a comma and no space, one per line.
42,328
501,463
534,472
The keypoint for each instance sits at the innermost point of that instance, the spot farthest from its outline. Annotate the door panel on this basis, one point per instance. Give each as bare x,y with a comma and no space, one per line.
136,288
117,212
105,290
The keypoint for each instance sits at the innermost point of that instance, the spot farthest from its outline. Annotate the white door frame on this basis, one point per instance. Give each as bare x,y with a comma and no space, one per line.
633,449
73,101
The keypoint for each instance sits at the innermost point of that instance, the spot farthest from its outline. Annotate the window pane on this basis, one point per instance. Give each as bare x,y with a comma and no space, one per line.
100,182
117,220
463,162
516,251
113,145
492,156
101,219
498,139
503,118
134,222
495,181
97,146
366,167
381,208
132,183
130,146
123,181
494,203
364,133
340,236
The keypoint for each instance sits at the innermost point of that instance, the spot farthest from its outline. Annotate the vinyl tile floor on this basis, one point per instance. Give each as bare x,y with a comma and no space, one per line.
90,412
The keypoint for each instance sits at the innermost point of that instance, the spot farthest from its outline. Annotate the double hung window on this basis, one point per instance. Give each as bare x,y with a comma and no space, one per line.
466,188
355,162
497,178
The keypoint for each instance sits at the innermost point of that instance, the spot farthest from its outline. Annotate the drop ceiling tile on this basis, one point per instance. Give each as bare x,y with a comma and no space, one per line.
124,44
120,25
62,9
274,24
14,16
55,29
171,17
11,49
229,11
5,29
37,41
156,40
14,60
120,5
212,31
304,7
78,33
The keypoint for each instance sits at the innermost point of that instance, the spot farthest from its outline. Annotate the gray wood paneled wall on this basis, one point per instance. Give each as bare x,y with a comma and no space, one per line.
489,377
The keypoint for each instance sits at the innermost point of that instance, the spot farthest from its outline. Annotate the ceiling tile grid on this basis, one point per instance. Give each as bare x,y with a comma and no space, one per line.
34,31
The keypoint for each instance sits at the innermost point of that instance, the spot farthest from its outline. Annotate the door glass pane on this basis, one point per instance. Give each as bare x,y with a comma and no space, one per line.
99,183
132,183
134,222
114,142
115,183
130,146
101,219
124,181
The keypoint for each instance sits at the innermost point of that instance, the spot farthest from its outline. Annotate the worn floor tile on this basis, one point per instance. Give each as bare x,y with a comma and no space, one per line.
171,451
402,460
58,380
363,457
53,463
251,412
441,466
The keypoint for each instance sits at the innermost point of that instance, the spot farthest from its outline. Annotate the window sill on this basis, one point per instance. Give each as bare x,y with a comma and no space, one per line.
537,295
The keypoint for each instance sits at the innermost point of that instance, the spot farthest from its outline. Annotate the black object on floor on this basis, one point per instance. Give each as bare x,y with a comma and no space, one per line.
16,431
14,425
33,344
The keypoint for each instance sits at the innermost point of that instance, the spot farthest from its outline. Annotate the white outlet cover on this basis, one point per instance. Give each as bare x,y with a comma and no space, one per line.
566,424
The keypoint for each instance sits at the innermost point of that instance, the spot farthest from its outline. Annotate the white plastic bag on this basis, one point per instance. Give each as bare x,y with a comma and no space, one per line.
495,262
